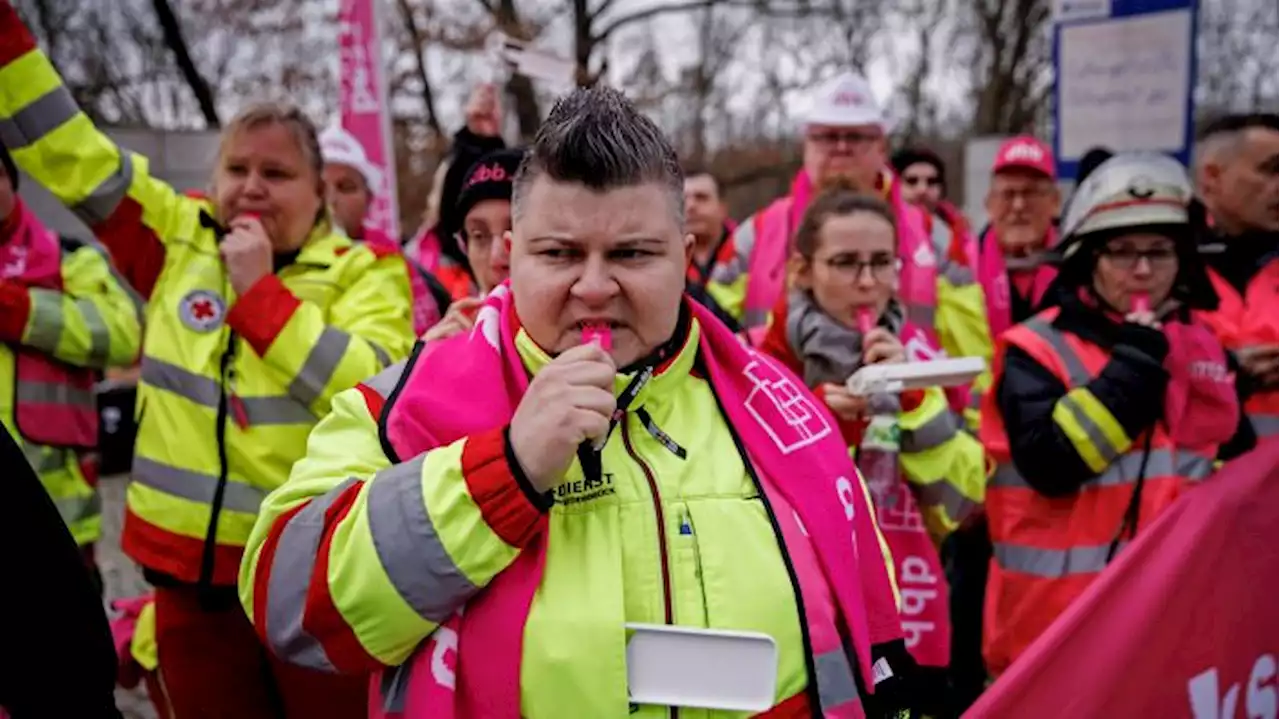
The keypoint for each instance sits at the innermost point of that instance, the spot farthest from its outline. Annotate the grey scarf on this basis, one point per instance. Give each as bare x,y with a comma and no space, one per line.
829,350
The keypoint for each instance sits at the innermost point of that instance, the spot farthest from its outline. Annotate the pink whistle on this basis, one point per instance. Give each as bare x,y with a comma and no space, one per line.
600,333
866,322
1141,302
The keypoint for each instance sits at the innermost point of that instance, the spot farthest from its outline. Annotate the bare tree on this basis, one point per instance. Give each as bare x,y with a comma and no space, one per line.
1238,51
1011,55
177,44
925,19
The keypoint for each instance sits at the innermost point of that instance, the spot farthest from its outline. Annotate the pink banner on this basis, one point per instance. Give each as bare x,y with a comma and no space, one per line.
1183,624
366,112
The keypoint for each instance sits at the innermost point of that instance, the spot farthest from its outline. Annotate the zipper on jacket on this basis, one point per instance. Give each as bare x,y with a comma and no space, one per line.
226,367
668,614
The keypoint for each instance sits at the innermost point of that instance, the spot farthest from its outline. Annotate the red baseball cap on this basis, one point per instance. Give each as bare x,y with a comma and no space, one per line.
1025,151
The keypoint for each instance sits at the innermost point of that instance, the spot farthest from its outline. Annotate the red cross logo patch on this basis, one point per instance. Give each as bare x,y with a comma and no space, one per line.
202,310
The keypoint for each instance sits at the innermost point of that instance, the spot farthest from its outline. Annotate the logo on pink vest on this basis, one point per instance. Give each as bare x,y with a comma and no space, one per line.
782,408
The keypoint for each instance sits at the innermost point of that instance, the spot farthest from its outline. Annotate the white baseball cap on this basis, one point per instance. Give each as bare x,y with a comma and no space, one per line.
845,100
339,147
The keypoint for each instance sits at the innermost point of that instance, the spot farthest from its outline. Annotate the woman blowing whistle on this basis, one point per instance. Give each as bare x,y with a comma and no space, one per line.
258,314
925,476
453,517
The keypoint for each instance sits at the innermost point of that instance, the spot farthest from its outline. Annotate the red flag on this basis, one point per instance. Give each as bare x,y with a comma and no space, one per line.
1183,624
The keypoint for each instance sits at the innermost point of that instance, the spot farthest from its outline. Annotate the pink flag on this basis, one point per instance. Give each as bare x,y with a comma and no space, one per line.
1183,624
366,112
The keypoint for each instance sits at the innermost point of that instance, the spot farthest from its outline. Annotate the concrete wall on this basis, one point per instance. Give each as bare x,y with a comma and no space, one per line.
182,158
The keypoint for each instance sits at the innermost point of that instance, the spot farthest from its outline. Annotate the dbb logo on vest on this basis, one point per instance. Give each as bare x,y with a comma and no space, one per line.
202,310
1210,370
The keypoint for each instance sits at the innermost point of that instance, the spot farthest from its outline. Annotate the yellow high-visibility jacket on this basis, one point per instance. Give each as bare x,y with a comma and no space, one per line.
231,385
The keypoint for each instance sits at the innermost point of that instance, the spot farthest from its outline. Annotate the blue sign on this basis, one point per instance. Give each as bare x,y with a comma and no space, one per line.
1124,77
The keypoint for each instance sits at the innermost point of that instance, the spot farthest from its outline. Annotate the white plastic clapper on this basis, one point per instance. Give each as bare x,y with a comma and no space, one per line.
873,379
701,668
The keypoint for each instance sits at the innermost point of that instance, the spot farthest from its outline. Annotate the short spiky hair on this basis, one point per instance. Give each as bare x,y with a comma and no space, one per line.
596,137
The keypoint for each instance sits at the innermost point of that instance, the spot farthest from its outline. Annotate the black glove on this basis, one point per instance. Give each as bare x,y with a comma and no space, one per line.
911,690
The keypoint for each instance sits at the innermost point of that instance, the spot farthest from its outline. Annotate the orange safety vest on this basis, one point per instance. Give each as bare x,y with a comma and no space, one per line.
1047,550
1253,319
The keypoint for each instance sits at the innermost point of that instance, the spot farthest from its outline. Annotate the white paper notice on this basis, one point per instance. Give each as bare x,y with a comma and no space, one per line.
1123,83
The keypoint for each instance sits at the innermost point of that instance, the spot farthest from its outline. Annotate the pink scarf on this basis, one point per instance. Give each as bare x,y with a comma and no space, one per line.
993,275
474,381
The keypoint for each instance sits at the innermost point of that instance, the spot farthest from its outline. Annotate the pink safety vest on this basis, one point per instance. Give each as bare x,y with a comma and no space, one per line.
53,401
993,275
775,225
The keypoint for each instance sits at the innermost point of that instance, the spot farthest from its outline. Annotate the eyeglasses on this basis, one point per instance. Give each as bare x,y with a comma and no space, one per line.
882,267
480,238
853,138
913,180
1126,258
1009,195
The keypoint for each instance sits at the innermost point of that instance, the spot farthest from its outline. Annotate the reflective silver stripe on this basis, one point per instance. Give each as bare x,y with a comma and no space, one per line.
384,383
942,493
393,685
54,393
100,204
1052,563
957,274
752,317
195,486
260,411
836,685
289,580
1264,425
922,315
1096,437
318,369
411,553
44,115
172,378
384,359
44,459
46,321
938,430
99,333
744,238
78,509
726,273
1076,372
280,410
1163,462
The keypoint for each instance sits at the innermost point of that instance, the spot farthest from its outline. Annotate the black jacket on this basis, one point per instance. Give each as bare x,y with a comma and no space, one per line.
58,659
1131,386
